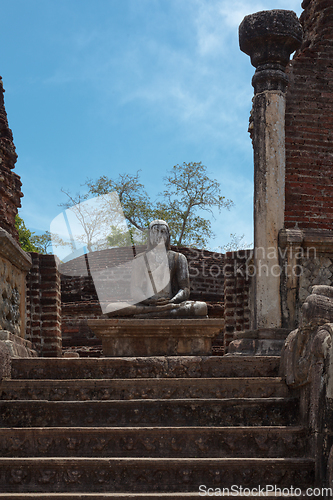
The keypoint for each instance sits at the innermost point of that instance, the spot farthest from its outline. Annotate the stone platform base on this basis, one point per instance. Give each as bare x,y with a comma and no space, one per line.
156,337
17,346
261,342
12,346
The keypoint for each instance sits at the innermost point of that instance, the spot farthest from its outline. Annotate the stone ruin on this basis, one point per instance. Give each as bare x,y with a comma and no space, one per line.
253,416
10,186
14,263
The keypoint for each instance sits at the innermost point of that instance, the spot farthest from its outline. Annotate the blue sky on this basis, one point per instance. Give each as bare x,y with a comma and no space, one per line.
98,88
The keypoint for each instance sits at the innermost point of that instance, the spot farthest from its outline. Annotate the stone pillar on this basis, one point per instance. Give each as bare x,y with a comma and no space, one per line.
268,37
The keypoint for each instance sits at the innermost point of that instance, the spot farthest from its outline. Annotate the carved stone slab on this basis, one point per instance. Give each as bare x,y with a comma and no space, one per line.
141,413
144,388
307,346
14,265
156,337
152,442
153,475
259,342
17,346
145,367
12,252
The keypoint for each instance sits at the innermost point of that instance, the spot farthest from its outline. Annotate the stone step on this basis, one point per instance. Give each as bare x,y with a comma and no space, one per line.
149,475
151,388
101,496
147,367
165,442
178,412
286,493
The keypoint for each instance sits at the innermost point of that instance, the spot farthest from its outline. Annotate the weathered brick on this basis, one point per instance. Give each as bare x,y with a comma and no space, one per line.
309,119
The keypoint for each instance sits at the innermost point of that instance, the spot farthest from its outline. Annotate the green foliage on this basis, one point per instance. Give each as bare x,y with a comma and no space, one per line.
29,241
120,238
133,197
188,190
25,235
43,242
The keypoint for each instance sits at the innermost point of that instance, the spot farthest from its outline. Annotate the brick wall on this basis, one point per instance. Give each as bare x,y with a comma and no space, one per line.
10,184
80,300
206,272
237,282
74,323
309,123
44,305
58,309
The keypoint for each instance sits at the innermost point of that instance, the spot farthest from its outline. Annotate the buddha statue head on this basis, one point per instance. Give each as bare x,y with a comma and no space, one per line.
158,231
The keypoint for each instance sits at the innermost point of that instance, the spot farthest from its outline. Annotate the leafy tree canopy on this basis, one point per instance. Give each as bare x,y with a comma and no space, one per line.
134,199
29,241
189,189
25,235
189,192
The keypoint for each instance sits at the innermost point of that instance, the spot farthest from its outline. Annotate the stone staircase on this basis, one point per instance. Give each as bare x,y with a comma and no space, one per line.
149,428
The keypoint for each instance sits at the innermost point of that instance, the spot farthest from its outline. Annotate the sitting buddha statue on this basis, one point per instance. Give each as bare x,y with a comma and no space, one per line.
160,283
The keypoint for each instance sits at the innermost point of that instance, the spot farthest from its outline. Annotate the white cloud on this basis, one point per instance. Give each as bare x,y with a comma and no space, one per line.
217,20
200,80
202,85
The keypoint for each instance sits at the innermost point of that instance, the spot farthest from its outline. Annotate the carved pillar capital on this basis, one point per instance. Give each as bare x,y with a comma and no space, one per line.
269,37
